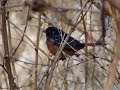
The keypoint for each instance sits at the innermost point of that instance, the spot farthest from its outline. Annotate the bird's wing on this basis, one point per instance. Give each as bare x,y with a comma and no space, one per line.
72,43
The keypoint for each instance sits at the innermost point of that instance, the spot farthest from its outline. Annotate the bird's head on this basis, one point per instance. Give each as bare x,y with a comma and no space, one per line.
51,32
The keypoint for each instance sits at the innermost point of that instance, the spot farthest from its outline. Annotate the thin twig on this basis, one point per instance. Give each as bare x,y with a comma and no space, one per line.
37,46
25,28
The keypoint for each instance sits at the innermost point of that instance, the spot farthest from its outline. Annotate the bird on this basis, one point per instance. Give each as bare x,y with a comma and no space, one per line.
54,39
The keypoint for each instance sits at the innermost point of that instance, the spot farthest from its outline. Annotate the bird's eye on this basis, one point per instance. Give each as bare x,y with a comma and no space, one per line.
48,30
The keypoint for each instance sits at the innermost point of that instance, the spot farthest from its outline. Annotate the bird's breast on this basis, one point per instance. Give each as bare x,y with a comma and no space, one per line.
53,48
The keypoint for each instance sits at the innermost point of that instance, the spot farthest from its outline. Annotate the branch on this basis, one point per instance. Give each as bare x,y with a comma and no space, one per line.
115,62
12,84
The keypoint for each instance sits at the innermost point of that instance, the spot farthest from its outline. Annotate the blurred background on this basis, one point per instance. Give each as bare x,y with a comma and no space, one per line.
30,59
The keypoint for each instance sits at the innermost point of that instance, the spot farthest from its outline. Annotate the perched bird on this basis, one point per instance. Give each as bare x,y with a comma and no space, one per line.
55,37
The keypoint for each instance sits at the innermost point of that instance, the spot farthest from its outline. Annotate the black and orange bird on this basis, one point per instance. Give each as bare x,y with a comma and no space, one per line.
55,37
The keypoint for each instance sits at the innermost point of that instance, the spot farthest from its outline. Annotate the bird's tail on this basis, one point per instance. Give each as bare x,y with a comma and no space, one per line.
95,44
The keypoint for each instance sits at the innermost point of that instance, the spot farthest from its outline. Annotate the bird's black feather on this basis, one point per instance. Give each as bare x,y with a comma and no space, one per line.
58,36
